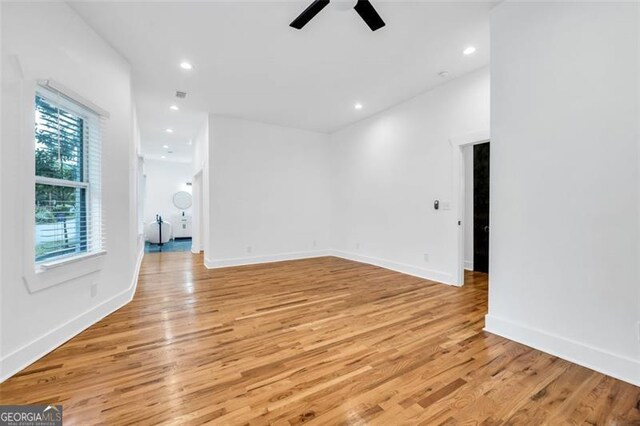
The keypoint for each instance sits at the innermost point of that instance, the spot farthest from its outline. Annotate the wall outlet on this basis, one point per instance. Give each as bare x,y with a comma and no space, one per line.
426,257
94,290
315,243
357,246
249,249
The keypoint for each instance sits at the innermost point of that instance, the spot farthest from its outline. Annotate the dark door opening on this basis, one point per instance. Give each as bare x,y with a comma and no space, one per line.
481,207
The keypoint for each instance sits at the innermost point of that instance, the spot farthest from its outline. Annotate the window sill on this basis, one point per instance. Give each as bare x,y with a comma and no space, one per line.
47,266
55,272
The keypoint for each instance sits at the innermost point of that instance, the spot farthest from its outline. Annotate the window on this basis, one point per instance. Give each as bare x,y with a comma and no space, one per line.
68,212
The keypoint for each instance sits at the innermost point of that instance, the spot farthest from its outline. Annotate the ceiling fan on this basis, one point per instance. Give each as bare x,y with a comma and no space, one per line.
364,8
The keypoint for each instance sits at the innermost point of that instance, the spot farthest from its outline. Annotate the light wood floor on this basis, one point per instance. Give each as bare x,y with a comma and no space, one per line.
321,341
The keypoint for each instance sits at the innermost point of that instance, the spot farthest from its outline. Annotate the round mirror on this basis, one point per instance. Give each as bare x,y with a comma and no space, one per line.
182,200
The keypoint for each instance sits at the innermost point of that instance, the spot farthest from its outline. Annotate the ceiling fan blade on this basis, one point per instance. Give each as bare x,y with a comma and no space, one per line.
308,14
368,13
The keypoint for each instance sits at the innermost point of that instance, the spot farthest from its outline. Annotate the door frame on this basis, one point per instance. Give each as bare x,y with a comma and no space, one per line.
457,144
197,225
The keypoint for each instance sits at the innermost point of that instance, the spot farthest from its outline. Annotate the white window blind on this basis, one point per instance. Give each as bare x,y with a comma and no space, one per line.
68,166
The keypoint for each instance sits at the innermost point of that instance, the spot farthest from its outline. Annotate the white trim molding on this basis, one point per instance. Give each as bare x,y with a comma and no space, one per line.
255,260
57,263
21,358
471,138
427,274
457,143
608,363
70,94
37,277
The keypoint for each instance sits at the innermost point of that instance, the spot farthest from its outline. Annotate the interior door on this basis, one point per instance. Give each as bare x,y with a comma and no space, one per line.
481,207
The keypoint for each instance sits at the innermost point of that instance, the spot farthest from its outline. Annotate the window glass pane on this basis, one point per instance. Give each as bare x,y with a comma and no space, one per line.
61,225
59,142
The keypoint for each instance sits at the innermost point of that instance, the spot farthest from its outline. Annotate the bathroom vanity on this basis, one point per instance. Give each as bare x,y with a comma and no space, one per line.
181,226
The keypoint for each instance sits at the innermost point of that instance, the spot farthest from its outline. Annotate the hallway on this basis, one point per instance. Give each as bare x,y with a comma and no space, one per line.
323,341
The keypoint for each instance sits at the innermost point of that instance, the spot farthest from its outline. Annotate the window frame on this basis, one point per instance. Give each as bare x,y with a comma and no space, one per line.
38,276
79,110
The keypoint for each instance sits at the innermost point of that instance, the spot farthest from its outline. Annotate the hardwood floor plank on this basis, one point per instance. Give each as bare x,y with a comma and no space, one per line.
316,341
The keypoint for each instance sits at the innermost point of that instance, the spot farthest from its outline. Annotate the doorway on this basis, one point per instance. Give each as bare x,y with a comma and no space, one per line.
475,223
481,170
198,213
464,151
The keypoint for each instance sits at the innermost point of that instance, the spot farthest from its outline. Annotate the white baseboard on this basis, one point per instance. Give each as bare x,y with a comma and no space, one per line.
468,265
21,358
242,261
416,271
613,365
427,274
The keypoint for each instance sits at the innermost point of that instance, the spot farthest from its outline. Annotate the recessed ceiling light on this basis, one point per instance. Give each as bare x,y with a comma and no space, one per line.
165,146
190,143
174,107
186,66
163,157
443,73
469,50
358,106
169,130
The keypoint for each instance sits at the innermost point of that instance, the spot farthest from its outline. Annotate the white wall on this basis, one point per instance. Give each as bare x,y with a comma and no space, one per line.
638,156
138,180
389,169
48,40
162,180
2,247
564,195
467,153
269,191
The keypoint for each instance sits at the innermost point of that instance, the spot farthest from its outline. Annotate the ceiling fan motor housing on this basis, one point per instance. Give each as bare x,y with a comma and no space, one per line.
343,5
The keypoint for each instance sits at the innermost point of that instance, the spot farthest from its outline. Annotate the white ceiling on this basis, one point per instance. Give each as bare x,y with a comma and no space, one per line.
249,63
